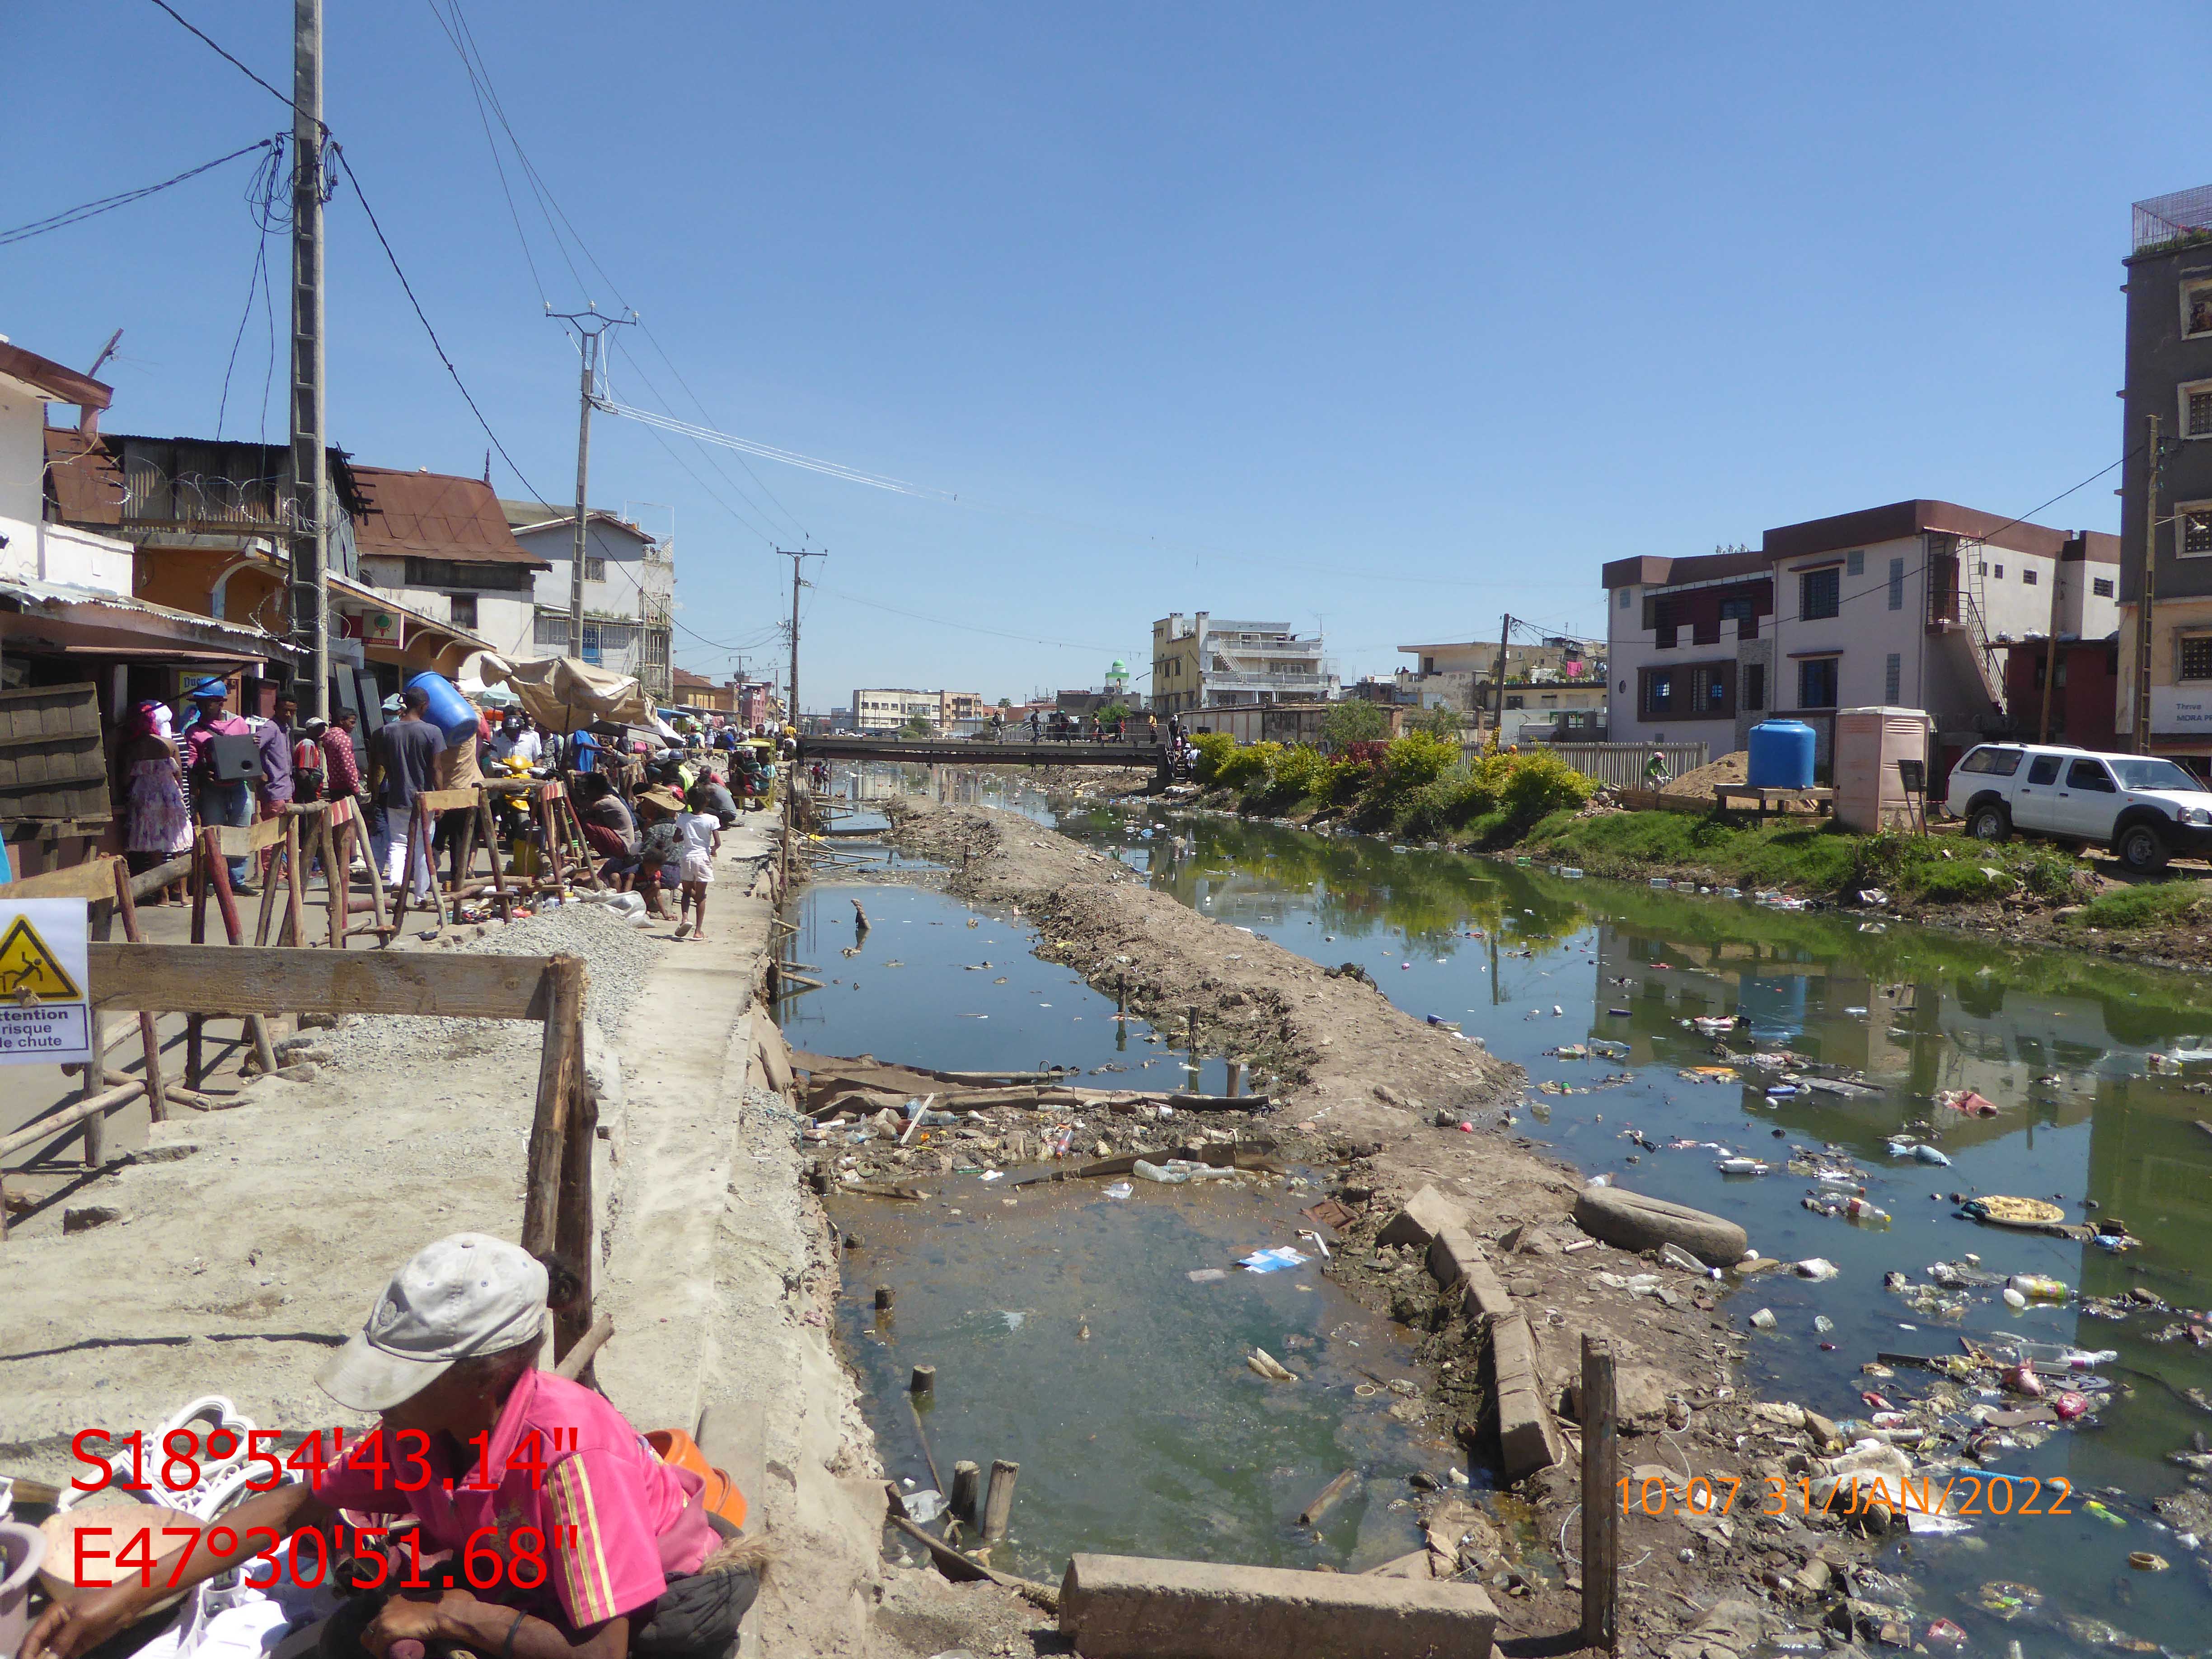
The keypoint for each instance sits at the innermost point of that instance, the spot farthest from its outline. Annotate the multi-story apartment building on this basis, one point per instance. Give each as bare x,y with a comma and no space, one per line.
2169,375
629,590
1461,675
1904,605
886,708
1199,662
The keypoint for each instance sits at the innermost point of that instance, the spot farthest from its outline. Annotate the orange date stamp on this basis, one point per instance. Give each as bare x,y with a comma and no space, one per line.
1956,1495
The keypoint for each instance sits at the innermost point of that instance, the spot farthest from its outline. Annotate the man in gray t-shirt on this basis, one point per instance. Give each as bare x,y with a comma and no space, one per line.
402,764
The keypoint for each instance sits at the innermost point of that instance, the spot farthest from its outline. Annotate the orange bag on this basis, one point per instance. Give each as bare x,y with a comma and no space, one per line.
720,1495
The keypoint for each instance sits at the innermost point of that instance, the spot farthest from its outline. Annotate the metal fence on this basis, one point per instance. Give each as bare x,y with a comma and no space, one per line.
1621,764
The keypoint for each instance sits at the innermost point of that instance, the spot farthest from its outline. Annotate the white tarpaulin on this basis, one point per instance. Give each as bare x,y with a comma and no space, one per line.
562,694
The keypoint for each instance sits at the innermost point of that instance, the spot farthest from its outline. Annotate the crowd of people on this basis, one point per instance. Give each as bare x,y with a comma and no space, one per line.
652,815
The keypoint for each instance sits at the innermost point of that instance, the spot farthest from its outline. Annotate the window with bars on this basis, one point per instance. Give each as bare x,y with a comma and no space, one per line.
464,611
595,568
2197,410
1658,691
1816,683
2028,576
1754,686
553,629
1897,584
1712,689
2197,657
1855,562
2196,528
1892,678
2101,586
1819,594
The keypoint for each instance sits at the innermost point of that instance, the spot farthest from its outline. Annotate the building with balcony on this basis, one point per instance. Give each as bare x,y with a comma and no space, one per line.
2169,375
886,708
1463,676
1199,662
630,592
1907,606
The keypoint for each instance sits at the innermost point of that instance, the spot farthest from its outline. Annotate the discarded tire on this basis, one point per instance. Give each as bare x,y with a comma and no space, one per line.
1634,1222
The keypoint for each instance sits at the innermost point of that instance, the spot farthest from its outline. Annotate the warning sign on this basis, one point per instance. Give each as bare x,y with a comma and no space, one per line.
46,1017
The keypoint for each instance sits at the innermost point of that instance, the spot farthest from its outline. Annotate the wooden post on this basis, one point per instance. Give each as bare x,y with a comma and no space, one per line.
296,885
1000,1501
1600,1504
1194,1036
338,877
1236,1078
560,1077
195,1023
923,1383
572,1225
265,1052
886,1299
377,907
95,1069
126,906
967,1486
265,915
489,828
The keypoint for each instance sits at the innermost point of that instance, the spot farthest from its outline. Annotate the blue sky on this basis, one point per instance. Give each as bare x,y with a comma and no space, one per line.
1391,319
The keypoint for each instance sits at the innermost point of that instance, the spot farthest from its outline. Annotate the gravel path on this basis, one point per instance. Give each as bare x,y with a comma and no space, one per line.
618,958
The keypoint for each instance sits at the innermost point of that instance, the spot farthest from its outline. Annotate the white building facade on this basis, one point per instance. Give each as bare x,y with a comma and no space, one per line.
630,592
1900,607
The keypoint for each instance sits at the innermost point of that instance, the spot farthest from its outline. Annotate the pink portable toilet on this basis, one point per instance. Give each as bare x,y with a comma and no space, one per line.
1869,742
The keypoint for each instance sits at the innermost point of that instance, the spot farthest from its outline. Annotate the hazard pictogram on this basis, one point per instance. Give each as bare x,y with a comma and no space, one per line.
29,970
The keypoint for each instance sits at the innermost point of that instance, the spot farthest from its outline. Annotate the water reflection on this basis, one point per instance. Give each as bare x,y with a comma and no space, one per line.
2061,1040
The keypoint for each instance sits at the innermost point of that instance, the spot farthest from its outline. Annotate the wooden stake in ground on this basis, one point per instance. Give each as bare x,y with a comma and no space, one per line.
1600,1504
126,906
967,1487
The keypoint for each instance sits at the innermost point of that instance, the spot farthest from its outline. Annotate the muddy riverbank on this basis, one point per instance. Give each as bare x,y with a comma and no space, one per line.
1388,1104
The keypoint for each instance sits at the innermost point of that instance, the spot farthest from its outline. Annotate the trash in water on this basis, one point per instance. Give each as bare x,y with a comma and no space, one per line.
1119,1189
1764,1319
1269,1367
1966,1101
1816,1267
1917,1149
1740,1166
1178,1170
924,1506
1206,1275
1275,1260
2041,1286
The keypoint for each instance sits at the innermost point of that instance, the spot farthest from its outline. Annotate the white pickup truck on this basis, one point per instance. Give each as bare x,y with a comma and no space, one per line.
2145,809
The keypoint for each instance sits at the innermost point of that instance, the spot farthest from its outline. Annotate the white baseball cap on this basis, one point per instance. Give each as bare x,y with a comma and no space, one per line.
468,1294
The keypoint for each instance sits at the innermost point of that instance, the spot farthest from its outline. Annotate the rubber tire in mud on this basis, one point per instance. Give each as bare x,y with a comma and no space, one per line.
2141,849
1991,823
1633,1222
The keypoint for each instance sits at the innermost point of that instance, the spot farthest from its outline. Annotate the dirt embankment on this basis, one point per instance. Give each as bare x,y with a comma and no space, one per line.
1360,1084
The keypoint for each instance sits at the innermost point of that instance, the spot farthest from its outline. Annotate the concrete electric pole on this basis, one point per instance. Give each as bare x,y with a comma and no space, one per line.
589,326
309,535
797,582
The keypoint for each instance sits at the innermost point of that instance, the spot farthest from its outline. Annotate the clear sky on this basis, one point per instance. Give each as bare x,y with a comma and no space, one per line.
1387,317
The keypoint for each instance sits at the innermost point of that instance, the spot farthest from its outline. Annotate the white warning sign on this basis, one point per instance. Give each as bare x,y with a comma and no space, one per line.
45,1013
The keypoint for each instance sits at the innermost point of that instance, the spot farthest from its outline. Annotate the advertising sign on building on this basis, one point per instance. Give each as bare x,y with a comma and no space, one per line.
45,1013
2184,710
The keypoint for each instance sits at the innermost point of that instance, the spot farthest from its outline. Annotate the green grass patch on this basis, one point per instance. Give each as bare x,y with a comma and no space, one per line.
2146,904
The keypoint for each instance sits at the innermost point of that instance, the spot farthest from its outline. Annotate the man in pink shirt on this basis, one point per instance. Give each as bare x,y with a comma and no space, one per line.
594,1548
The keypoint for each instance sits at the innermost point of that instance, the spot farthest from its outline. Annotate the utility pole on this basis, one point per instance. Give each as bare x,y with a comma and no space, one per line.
589,326
1497,727
2149,596
796,556
309,537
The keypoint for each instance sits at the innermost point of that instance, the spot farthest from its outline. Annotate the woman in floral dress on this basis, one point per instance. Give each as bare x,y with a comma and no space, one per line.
159,824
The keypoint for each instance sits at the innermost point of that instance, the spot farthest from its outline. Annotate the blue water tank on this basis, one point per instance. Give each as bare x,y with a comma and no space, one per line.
449,711
1781,755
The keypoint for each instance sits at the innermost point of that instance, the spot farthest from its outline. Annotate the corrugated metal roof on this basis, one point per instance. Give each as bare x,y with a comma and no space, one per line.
435,515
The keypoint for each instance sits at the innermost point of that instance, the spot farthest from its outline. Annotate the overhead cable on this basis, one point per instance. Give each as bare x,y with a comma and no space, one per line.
108,203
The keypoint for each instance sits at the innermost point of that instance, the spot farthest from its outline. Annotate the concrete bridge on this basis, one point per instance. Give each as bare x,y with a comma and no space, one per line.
966,751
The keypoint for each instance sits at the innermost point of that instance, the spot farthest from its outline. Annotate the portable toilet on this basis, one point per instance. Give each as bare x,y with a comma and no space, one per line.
1869,742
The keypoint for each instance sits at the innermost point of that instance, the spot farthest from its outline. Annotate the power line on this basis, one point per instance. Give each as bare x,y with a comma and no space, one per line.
70,217
209,41
483,118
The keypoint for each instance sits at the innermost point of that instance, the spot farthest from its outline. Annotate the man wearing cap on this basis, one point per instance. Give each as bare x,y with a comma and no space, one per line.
604,1550
229,804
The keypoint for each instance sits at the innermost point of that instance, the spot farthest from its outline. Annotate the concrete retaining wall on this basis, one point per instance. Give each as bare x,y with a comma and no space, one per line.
1120,1607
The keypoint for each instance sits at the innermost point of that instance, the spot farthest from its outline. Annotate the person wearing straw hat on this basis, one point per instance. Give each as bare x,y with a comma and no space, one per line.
600,1550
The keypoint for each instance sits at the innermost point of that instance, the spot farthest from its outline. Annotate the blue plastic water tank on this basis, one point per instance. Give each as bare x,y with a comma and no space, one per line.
1781,755
449,711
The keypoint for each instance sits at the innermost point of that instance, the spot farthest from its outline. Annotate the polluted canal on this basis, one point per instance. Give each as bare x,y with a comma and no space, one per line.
1098,1333
1668,1039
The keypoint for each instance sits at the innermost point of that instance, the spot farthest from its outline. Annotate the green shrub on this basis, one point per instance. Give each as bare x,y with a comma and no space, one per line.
2146,904
1299,771
1539,783
1242,769
1214,748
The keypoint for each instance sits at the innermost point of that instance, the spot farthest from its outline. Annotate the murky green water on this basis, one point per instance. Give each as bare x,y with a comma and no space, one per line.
2060,1039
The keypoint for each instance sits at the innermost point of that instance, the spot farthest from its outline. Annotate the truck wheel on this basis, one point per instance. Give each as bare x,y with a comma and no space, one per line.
2142,849
1988,823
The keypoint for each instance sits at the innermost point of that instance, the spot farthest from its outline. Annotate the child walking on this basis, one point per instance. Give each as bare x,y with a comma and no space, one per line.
702,837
